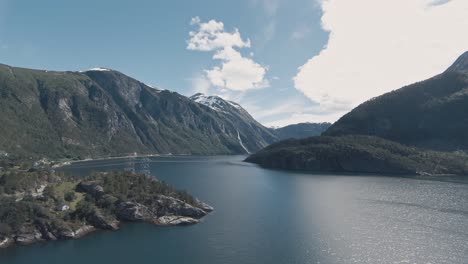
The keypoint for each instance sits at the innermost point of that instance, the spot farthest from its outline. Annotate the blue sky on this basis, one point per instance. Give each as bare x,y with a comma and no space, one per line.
149,40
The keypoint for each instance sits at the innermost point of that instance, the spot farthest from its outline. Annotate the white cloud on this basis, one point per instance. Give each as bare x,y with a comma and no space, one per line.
376,46
438,2
195,20
200,84
296,118
291,110
211,36
235,72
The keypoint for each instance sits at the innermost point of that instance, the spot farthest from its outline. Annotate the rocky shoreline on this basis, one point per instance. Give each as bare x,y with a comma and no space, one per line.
44,234
104,206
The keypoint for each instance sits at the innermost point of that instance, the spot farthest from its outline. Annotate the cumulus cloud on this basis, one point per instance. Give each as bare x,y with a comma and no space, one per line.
211,36
376,46
235,72
291,109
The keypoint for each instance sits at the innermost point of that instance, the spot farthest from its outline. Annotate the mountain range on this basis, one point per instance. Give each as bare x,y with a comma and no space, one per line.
301,130
103,112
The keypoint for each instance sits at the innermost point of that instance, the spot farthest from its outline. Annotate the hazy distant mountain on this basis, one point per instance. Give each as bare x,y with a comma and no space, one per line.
430,114
104,112
301,130
236,112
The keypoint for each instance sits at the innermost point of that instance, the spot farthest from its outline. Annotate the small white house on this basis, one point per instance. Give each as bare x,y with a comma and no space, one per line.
63,207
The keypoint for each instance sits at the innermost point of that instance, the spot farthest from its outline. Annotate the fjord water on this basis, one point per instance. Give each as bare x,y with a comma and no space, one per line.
266,216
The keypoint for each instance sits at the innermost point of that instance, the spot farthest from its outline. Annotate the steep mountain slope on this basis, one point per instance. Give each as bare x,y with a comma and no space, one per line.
103,112
430,114
301,130
373,137
255,135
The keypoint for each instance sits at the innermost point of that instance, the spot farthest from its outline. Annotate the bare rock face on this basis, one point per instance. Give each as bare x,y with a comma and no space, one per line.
46,230
172,220
84,230
164,211
204,206
173,206
67,234
6,242
28,238
134,212
52,231
99,221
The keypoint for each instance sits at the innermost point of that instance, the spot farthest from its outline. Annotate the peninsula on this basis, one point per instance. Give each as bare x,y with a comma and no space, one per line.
43,205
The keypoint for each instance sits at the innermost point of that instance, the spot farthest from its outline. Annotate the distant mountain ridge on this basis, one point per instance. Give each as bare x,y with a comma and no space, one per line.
298,131
103,112
301,130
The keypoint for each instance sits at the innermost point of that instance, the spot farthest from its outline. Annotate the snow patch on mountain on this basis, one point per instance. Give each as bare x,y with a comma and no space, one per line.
214,102
97,69
236,105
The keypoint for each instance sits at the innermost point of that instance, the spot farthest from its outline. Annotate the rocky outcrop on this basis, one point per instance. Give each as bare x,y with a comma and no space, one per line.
172,220
28,238
175,211
99,221
204,206
84,230
172,206
6,242
165,211
141,201
53,230
45,229
134,212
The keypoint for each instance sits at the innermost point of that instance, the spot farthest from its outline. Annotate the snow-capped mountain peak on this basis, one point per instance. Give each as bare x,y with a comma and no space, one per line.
215,102
97,69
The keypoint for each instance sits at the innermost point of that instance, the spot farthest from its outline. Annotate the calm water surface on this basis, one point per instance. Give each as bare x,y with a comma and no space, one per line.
265,216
